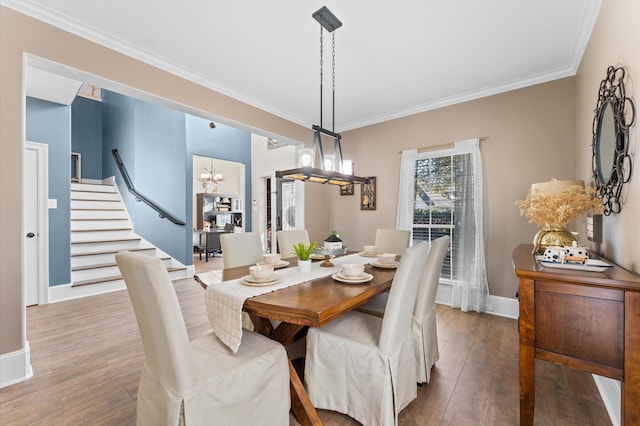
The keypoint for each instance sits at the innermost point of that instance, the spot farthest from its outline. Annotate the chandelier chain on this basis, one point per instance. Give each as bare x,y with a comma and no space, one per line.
321,69
333,62
321,54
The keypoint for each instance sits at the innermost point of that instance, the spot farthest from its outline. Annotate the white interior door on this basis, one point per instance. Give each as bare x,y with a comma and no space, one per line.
35,224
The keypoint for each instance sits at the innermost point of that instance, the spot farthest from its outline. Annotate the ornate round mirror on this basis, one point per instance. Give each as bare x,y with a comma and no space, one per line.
611,163
605,143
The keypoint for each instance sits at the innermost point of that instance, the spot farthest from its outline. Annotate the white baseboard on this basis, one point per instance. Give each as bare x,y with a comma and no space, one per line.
15,367
59,293
611,393
502,306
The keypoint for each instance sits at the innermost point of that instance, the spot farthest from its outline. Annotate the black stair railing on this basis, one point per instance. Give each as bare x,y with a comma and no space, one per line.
139,197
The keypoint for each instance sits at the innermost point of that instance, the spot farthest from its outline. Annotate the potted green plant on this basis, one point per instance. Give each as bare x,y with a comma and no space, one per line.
303,252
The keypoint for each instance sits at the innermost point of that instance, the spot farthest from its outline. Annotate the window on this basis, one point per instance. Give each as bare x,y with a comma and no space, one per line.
433,209
441,194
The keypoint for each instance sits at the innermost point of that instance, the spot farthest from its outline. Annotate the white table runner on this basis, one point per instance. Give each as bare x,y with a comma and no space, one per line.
224,300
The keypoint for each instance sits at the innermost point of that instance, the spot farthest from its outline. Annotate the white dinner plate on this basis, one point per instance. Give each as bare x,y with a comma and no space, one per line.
392,265
359,280
365,254
248,280
278,265
592,265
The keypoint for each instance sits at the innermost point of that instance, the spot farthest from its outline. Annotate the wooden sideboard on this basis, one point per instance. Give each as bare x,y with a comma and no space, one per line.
589,321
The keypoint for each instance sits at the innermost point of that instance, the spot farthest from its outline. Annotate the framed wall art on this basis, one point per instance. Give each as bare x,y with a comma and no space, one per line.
368,194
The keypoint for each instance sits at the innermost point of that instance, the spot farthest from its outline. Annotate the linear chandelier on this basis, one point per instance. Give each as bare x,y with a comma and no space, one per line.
333,168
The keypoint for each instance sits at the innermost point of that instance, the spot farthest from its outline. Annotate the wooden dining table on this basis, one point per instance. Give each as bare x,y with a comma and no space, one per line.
308,304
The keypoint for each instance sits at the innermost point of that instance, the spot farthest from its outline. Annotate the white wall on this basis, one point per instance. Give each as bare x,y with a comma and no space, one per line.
264,163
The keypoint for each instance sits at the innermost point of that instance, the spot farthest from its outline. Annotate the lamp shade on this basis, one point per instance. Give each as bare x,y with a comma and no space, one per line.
554,186
305,157
347,167
328,162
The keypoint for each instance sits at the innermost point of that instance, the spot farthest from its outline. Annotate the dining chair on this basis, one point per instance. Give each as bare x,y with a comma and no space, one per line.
362,365
287,239
392,240
199,382
245,248
240,249
424,329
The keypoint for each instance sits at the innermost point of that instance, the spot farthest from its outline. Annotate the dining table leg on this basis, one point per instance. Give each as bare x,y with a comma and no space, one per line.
303,409
285,333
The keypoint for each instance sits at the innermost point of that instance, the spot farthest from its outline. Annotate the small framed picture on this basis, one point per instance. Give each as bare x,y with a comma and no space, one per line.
346,189
368,194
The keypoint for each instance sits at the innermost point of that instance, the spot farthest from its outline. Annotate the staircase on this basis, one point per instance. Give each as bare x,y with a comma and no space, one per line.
100,227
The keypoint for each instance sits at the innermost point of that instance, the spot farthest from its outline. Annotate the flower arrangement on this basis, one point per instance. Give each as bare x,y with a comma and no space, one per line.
304,251
555,210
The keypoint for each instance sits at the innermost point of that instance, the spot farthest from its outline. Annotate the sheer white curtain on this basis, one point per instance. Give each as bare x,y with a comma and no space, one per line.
470,289
406,190
470,286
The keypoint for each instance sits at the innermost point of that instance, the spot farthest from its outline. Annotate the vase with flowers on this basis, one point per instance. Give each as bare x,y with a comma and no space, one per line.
552,205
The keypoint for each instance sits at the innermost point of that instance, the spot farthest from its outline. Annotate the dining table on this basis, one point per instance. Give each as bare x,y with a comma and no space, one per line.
310,303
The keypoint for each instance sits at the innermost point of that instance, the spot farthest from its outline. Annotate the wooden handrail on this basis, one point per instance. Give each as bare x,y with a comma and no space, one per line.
139,197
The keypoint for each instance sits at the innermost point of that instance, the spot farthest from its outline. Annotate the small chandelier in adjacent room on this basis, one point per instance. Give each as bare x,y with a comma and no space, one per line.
210,179
330,168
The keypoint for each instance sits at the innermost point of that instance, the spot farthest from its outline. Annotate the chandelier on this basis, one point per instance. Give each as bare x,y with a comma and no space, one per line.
331,168
210,179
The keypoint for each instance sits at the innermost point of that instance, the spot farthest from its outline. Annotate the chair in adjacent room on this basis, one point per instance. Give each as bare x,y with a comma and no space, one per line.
392,240
363,365
199,382
211,244
287,239
241,249
423,326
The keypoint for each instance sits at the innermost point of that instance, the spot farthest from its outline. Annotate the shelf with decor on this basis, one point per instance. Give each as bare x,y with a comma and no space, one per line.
218,210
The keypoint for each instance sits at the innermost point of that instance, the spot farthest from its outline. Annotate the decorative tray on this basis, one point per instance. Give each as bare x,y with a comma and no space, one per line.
330,252
592,265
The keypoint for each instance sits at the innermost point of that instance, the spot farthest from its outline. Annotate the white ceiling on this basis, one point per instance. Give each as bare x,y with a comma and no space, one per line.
392,58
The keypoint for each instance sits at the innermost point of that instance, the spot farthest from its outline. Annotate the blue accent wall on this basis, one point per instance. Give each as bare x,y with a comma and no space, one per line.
223,142
151,142
86,135
50,123
156,145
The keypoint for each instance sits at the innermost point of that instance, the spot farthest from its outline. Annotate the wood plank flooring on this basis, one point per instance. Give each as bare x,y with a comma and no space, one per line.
87,356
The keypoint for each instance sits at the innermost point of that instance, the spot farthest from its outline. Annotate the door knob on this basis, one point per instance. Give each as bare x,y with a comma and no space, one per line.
31,235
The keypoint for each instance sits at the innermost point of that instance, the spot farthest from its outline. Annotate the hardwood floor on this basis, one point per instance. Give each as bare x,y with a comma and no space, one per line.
87,356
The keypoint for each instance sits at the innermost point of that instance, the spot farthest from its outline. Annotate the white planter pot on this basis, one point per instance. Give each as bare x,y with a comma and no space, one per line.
304,266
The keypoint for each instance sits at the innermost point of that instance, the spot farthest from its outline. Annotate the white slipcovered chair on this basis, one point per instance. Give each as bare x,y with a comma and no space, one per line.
392,240
363,365
423,326
287,239
199,382
241,249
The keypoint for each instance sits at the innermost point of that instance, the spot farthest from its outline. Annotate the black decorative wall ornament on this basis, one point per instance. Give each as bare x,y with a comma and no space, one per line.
368,194
611,162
